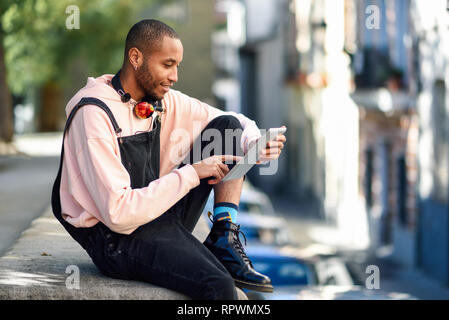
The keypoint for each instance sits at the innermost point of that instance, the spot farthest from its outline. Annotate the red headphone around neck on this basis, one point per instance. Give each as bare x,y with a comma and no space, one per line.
142,110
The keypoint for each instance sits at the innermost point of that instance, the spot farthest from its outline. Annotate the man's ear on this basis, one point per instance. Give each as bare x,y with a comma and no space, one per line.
135,57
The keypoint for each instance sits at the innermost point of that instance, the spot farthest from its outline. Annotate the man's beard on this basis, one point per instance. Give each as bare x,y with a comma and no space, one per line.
145,80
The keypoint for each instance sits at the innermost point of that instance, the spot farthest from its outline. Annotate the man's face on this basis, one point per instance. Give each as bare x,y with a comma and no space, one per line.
159,70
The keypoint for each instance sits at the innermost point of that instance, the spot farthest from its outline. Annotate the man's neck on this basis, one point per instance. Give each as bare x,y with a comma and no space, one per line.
129,84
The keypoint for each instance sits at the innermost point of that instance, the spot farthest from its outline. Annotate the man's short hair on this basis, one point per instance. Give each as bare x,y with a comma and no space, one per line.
147,35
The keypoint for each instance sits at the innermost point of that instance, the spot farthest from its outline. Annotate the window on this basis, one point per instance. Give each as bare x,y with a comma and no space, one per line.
369,178
402,190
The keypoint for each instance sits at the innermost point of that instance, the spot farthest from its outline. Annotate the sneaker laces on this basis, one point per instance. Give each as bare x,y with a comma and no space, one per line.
238,244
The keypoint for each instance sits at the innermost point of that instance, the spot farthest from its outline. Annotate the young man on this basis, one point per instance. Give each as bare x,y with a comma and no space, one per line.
124,191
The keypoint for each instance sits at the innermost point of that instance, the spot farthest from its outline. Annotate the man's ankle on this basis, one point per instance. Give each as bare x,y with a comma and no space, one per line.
225,211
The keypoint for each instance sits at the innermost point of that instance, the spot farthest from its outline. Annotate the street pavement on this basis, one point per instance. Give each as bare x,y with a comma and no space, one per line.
26,178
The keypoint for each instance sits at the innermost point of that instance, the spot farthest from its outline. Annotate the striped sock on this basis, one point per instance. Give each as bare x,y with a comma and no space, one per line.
225,211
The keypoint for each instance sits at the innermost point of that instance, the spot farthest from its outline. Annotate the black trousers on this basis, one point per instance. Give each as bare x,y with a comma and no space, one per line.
164,252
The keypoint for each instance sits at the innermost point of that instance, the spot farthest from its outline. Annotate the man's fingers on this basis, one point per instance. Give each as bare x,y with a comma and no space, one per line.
217,174
229,158
224,168
216,177
210,160
221,172
270,151
213,181
281,137
265,159
278,144
269,156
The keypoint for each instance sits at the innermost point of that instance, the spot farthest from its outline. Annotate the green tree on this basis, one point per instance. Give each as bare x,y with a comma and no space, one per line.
37,50
6,119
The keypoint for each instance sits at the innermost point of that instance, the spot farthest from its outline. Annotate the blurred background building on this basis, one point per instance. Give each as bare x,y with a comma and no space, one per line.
294,71
360,84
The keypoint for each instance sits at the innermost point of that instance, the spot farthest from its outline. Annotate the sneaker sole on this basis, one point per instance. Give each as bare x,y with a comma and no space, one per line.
254,286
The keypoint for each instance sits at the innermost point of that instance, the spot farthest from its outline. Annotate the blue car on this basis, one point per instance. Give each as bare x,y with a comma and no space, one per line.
282,269
292,275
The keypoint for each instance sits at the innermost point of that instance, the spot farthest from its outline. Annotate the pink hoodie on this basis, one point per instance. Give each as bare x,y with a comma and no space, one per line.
95,186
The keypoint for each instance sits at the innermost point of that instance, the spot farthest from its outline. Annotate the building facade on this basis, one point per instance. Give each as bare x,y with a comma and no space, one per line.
362,88
295,71
431,44
383,65
400,68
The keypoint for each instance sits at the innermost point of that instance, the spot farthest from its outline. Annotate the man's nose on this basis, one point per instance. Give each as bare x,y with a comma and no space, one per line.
173,75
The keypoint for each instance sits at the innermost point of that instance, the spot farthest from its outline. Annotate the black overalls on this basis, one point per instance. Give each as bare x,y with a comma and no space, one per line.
162,252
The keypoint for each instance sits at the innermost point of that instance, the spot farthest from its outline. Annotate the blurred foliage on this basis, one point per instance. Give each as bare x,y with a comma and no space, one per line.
40,48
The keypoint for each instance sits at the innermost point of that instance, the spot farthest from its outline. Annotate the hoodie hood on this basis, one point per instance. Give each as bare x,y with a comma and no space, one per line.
95,87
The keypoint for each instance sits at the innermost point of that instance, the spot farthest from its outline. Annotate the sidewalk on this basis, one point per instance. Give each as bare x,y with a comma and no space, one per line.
306,227
39,144
394,277
46,263
27,171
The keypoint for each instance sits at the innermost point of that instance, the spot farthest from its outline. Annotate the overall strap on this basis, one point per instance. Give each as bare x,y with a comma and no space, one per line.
89,100
84,101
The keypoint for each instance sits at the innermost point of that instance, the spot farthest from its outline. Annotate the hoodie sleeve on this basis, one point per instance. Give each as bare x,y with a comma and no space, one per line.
107,182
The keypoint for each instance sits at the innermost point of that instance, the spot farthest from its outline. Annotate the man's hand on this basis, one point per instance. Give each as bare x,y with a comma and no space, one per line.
273,149
214,167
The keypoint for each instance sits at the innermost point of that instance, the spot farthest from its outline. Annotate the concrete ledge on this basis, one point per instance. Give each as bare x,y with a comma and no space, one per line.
45,257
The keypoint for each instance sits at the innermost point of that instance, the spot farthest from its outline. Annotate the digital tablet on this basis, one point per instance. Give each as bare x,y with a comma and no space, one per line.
251,157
